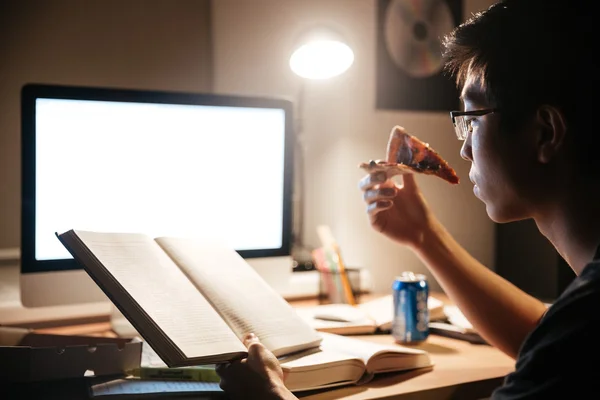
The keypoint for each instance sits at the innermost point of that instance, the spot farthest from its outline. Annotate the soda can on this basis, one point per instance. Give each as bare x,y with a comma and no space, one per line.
411,314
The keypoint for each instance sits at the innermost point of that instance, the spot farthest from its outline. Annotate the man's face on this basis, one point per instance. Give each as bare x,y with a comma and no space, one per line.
498,160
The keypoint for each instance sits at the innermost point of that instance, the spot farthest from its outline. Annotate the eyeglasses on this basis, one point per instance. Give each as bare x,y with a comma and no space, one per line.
461,122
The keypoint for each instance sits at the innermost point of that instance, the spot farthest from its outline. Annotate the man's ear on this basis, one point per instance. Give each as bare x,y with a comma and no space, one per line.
552,132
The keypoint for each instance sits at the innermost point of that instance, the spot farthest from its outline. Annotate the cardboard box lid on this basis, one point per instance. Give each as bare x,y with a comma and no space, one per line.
27,356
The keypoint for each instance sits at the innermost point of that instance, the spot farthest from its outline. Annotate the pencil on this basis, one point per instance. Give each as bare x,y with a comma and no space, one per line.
344,276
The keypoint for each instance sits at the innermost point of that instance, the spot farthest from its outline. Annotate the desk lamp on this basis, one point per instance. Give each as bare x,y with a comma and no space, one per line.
321,53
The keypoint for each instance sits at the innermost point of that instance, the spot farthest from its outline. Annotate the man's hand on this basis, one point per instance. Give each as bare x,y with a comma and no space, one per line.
399,212
257,377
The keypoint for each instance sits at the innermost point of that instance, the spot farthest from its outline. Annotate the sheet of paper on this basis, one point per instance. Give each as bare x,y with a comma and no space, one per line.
339,312
136,388
241,296
457,318
163,292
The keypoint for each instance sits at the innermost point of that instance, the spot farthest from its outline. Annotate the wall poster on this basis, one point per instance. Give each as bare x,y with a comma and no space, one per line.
409,46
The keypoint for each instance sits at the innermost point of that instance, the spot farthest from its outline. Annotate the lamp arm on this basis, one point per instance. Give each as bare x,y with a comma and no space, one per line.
298,246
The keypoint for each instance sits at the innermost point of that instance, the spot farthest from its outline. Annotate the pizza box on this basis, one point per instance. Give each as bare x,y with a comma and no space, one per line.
26,356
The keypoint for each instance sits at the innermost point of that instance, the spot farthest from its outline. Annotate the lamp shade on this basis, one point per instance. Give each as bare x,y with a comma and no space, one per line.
321,54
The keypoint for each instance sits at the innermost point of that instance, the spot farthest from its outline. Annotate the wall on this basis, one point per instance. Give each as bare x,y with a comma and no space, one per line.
146,44
252,41
527,259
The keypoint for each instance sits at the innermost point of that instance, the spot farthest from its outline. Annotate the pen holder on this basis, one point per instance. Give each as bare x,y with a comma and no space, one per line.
331,287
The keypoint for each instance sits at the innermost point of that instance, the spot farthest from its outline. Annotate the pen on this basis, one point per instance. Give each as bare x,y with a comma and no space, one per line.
454,332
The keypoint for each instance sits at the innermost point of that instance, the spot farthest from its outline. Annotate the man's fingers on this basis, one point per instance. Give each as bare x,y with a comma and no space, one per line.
371,180
256,350
378,206
373,195
220,368
229,369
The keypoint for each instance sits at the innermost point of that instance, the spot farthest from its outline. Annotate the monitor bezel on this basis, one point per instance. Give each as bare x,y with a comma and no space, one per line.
33,91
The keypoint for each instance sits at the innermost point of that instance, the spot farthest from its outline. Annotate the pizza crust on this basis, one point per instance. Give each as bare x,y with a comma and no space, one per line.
390,169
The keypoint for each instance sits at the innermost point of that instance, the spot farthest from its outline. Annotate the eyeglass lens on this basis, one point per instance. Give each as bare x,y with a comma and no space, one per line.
461,127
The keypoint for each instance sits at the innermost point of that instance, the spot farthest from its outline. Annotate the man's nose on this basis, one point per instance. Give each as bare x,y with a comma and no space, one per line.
465,150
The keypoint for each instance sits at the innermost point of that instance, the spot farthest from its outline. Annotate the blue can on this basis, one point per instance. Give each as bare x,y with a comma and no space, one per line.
411,314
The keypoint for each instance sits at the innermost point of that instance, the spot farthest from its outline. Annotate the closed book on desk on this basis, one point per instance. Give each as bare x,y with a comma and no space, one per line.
191,300
343,360
369,317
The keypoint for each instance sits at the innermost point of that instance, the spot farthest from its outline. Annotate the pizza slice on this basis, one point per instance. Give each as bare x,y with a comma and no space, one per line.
407,154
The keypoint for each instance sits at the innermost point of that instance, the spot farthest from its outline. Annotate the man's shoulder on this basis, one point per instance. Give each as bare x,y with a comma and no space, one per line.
584,289
576,309
564,340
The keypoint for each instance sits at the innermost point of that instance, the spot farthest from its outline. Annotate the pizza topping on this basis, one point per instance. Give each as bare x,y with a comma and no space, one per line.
406,154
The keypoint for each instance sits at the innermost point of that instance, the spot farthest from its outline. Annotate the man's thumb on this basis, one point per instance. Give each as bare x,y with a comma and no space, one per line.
408,182
250,338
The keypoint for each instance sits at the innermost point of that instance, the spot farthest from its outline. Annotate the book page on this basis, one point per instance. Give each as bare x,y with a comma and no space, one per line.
241,296
319,368
380,309
376,356
333,318
163,292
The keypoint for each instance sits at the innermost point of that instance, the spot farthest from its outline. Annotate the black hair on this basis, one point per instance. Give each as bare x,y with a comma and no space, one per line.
532,52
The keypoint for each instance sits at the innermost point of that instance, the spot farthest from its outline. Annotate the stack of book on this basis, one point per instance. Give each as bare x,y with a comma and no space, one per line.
192,301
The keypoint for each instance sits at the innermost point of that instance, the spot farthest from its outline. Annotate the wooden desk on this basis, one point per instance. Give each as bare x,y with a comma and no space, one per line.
462,371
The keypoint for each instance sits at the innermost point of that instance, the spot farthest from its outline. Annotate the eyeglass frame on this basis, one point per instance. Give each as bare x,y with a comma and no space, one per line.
477,113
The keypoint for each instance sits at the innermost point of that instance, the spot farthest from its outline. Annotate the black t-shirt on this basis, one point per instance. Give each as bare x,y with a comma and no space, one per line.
560,358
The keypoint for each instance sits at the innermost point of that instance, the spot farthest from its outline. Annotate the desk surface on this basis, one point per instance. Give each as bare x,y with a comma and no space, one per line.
461,370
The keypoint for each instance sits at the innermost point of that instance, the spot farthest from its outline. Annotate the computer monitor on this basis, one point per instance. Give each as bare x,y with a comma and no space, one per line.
162,163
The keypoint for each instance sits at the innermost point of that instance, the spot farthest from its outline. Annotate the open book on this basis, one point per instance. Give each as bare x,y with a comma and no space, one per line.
343,360
368,317
191,300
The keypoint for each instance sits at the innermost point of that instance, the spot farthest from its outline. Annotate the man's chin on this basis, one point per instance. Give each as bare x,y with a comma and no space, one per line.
500,216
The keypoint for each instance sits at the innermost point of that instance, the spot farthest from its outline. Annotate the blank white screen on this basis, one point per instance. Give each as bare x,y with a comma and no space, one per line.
161,169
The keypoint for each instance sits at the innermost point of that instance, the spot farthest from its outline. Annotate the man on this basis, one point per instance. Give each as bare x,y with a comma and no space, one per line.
527,78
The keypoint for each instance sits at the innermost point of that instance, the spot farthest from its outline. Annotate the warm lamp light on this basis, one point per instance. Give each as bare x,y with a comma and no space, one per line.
321,54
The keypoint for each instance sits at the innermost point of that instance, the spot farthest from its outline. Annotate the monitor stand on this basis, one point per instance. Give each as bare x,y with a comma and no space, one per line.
14,313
